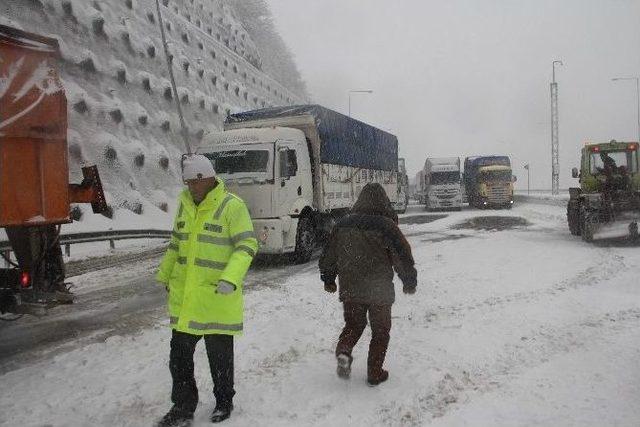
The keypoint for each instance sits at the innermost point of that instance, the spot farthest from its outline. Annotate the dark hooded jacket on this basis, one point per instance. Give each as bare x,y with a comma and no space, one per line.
364,248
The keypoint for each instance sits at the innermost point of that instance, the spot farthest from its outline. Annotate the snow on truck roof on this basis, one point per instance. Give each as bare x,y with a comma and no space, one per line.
445,168
443,160
248,135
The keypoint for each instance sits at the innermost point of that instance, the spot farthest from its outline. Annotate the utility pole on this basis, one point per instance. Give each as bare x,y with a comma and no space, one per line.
528,178
555,144
183,126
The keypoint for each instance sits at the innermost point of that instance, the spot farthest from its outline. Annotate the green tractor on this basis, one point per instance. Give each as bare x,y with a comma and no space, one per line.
607,204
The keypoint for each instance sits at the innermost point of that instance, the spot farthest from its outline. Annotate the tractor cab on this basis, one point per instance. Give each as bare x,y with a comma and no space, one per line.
608,198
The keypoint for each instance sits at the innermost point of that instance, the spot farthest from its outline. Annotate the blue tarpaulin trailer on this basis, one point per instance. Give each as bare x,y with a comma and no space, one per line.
344,141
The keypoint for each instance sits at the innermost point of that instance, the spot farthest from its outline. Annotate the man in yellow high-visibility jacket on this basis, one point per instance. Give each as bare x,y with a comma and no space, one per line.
211,249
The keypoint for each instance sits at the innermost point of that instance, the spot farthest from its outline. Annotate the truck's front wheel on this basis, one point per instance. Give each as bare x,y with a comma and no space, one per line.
305,240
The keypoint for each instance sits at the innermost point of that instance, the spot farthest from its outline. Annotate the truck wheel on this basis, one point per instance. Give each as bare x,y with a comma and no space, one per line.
573,217
305,241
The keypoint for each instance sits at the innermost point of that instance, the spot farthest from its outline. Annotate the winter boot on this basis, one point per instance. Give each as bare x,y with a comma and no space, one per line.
176,417
344,365
221,413
374,380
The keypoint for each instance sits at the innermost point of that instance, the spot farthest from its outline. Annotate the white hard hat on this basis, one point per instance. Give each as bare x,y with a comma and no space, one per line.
196,166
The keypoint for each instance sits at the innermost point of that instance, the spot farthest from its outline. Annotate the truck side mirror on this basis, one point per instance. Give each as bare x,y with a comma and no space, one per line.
288,163
574,172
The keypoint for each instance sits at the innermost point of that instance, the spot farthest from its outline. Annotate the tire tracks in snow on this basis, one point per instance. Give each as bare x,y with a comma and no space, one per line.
535,347
460,384
611,266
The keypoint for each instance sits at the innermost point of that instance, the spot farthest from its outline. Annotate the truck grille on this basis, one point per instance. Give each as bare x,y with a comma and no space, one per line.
448,193
498,195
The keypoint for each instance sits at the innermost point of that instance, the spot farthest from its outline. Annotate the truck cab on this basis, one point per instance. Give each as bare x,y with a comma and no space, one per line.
270,170
495,185
488,181
442,183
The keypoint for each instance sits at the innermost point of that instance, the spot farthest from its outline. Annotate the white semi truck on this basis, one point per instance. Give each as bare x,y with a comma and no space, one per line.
442,183
298,169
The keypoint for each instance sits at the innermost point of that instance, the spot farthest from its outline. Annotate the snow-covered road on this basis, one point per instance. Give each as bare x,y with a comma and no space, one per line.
515,322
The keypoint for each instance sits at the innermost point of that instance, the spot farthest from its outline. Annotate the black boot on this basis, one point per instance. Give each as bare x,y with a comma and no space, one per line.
176,417
378,378
221,413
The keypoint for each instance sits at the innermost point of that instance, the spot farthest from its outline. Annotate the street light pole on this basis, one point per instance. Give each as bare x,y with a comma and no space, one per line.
356,91
555,144
637,79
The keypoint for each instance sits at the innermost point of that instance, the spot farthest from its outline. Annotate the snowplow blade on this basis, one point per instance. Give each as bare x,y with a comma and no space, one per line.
625,226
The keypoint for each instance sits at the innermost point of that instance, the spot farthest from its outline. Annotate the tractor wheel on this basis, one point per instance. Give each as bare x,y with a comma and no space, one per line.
633,232
587,225
573,217
305,241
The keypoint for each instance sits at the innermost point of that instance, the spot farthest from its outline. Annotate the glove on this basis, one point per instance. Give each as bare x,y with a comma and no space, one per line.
410,290
225,288
330,287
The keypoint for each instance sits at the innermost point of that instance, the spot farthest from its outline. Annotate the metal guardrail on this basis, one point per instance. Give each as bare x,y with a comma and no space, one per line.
101,236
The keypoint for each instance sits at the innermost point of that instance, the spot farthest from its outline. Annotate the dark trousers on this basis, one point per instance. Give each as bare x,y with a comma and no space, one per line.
355,317
220,353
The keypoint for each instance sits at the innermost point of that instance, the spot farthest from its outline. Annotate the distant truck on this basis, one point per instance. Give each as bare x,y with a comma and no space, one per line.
299,168
488,181
402,199
442,183
419,194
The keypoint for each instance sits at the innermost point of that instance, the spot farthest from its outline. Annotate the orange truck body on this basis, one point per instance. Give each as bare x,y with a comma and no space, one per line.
34,171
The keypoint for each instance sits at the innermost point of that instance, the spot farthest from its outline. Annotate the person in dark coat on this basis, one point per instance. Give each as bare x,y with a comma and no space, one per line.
362,251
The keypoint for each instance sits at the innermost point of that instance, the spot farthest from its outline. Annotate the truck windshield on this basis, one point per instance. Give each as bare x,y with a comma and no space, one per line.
504,176
439,178
236,161
618,161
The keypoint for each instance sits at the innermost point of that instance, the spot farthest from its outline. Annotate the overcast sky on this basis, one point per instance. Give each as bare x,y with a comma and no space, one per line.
469,77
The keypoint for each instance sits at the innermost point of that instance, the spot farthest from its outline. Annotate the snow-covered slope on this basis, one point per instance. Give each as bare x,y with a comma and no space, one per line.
122,115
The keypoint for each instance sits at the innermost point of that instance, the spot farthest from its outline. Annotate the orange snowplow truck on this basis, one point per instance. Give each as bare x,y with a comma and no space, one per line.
35,194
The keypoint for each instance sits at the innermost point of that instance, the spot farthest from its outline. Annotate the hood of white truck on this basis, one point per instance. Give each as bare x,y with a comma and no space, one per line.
257,195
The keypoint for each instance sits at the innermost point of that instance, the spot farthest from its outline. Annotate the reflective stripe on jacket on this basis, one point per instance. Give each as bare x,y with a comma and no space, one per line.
210,242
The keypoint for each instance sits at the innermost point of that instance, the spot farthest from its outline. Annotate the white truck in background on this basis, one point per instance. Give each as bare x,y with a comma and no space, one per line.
298,169
442,180
402,197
